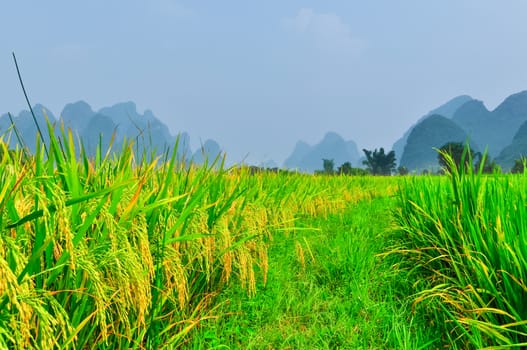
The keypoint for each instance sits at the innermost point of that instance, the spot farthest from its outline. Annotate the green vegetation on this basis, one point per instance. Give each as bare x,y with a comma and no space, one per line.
328,166
463,242
460,154
119,252
463,157
378,162
519,165
328,288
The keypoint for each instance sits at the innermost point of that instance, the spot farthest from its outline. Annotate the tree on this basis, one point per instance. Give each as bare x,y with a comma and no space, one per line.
329,166
460,154
345,169
378,162
489,165
519,166
402,170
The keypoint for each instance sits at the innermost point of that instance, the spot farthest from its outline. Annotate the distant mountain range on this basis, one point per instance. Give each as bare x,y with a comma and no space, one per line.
308,158
447,110
433,131
502,132
118,122
516,150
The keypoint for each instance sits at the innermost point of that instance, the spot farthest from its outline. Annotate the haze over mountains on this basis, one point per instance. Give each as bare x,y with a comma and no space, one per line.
503,131
447,110
432,132
308,158
499,131
92,127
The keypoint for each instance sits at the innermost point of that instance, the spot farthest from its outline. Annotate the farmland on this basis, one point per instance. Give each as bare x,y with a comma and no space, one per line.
122,252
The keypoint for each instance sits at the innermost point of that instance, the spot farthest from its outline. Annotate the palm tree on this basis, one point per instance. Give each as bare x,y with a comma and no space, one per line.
378,162
329,165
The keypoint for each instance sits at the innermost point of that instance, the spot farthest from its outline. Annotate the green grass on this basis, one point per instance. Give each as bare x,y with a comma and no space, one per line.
112,252
464,245
118,251
327,287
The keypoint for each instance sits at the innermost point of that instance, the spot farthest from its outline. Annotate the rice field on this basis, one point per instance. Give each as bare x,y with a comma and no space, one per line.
464,244
121,251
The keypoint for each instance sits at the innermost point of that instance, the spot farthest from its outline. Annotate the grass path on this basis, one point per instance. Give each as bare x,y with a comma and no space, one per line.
326,289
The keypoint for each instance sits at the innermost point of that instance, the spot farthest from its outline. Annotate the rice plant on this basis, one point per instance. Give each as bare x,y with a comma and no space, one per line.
116,251
464,241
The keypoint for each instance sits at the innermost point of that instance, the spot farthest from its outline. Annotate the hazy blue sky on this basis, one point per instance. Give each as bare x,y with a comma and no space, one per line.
258,76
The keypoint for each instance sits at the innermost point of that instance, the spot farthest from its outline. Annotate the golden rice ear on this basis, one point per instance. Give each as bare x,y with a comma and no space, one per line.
108,246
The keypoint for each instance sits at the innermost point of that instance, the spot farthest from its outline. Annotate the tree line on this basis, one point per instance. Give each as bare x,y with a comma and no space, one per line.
378,162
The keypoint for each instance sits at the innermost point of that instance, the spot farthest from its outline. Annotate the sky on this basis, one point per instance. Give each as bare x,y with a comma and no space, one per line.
259,76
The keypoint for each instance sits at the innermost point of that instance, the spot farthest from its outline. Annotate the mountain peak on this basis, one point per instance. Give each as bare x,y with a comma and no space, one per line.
120,120
39,107
447,109
79,107
432,132
522,95
210,150
332,137
332,146
470,109
126,105
121,112
514,151
514,106
493,129
80,104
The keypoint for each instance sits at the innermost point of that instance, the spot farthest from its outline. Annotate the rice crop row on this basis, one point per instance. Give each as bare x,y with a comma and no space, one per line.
463,243
119,252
